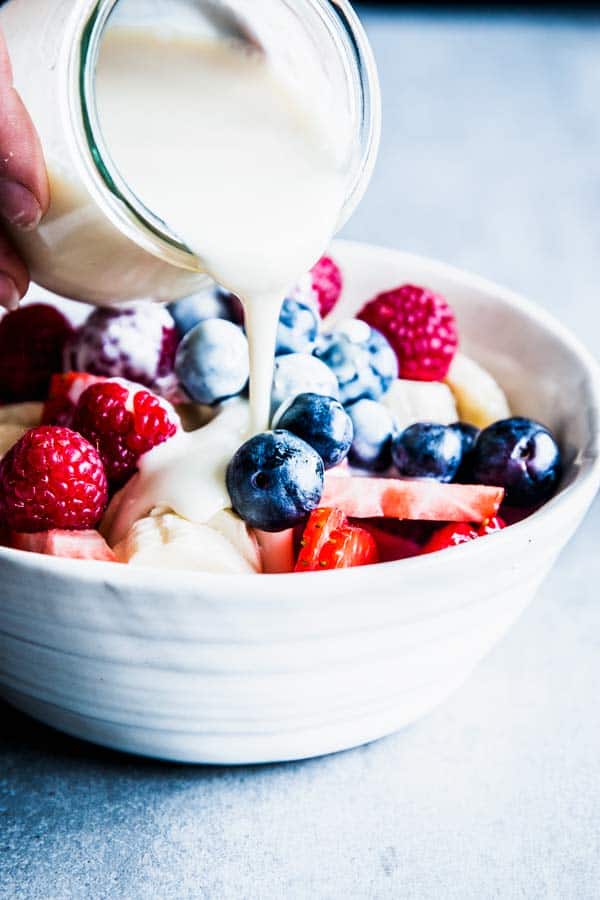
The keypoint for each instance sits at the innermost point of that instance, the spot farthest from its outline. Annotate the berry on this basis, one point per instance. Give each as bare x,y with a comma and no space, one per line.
321,523
326,283
274,480
323,423
31,347
451,536
468,435
63,397
52,478
521,456
212,303
329,542
397,539
491,526
361,358
212,361
420,326
426,450
373,431
66,544
123,421
298,327
137,343
349,547
299,373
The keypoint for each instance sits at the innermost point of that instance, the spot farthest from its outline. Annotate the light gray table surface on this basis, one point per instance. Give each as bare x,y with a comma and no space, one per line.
490,160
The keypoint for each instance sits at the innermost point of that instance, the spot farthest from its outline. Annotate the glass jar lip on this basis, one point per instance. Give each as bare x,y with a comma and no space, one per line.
102,178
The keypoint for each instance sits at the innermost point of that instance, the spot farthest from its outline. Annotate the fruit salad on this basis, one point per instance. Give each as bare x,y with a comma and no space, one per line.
125,439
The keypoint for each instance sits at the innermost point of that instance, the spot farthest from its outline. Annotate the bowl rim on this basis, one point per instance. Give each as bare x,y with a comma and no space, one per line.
586,482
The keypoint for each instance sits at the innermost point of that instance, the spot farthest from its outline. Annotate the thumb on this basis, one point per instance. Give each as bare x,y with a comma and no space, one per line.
24,190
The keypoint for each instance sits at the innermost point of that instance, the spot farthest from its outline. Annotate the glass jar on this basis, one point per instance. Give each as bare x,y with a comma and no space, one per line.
98,242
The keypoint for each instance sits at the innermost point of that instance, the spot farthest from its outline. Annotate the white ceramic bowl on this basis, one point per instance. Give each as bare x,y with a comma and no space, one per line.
240,669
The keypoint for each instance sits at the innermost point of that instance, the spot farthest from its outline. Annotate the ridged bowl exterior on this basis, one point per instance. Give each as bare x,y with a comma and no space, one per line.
241,669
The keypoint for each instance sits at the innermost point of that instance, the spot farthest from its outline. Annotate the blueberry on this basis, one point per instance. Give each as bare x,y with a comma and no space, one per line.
275,480
361,358
520,455
373,431
212,361
323,423
298,327
468,435
212,303
426,450
299,373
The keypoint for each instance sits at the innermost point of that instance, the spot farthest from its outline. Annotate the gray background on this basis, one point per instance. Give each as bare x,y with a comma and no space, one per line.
490,160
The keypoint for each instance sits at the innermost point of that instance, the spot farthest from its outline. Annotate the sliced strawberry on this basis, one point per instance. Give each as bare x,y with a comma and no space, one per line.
321,524
428,500
63,396
66,544
451,536
396,539
491,526
347,547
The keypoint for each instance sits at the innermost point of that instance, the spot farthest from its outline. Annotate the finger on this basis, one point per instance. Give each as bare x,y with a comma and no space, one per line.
14,278
24,190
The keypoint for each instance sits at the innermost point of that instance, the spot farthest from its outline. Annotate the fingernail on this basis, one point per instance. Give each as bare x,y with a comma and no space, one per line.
18,206
9,295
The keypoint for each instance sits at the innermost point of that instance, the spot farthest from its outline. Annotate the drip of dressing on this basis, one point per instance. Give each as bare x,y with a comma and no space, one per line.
251,180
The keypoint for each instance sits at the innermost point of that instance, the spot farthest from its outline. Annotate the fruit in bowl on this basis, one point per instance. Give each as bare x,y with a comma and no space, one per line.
381,603
366,426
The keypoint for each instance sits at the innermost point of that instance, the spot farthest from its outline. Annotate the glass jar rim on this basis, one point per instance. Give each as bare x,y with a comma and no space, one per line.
102,178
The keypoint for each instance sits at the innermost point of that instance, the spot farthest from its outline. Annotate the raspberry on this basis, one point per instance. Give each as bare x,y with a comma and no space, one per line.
326,283
31,346
63,396
421,328
52,478
137,343
123,421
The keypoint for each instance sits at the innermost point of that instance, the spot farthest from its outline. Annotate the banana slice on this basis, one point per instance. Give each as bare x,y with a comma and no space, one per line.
421,401
232,527
479,397
9,435
169,542
26,414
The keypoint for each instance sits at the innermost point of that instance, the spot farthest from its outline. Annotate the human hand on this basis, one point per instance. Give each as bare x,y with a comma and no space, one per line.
24,189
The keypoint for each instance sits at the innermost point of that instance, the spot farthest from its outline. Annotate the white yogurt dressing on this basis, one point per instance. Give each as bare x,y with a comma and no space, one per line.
251,180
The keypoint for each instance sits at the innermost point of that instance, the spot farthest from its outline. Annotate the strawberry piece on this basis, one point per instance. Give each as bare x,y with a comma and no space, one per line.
123,421
321,524
451,536
420,326
66,544
347,547
52,478
428,500
397,539
491,526
63,396
31,347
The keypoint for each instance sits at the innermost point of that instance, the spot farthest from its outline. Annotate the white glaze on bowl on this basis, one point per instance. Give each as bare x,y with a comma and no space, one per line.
240,669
